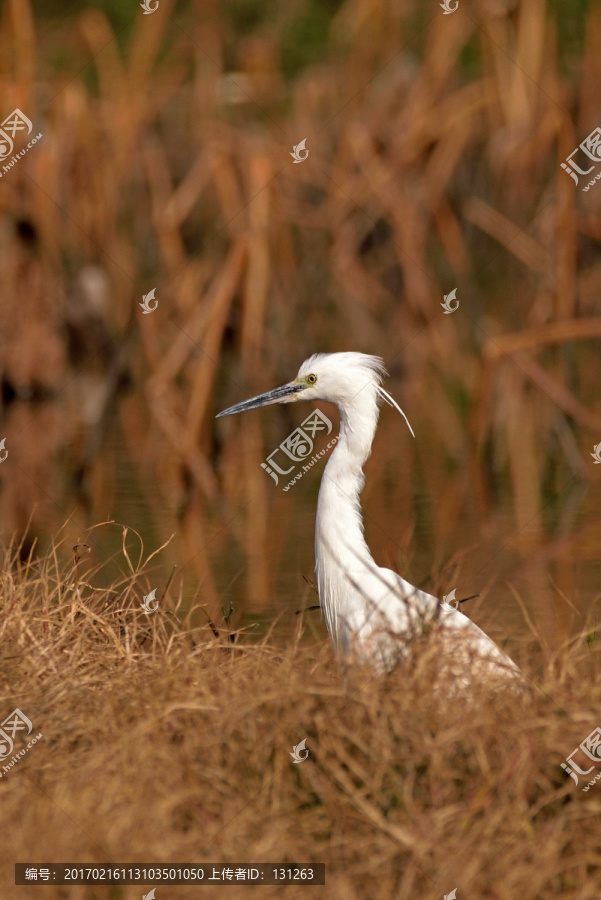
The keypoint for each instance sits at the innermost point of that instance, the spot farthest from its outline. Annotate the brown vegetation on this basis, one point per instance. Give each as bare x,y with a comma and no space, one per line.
162,742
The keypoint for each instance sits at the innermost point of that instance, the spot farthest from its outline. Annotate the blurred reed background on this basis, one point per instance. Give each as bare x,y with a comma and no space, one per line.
434,145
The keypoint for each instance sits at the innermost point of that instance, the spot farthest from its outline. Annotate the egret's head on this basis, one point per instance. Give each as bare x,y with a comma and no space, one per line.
346,379
325,376
340,378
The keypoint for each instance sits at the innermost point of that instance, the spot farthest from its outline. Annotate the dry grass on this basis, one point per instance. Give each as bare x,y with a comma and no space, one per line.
162,742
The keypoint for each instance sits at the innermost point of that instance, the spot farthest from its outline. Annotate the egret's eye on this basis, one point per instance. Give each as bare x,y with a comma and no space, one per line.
311,379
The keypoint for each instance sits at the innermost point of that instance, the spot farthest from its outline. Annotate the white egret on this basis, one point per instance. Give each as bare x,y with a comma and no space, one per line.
373,615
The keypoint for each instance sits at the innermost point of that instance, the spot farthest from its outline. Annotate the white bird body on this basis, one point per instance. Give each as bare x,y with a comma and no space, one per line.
372,614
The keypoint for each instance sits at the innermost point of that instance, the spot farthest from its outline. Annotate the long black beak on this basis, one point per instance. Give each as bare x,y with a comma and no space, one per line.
282,394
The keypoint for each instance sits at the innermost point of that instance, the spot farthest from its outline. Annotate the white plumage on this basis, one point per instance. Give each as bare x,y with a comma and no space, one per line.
373,615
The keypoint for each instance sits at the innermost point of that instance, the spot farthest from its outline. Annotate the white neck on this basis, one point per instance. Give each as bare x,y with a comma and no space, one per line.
341,553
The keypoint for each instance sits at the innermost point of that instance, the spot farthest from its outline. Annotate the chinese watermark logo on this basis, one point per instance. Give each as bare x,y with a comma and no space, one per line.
17,721
450,599
17,121
147,606
448,9
3,450
297,446
452,895
147,10
596,455
296,152
591,747
146,298
150,894
448,308
591,147
296,752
